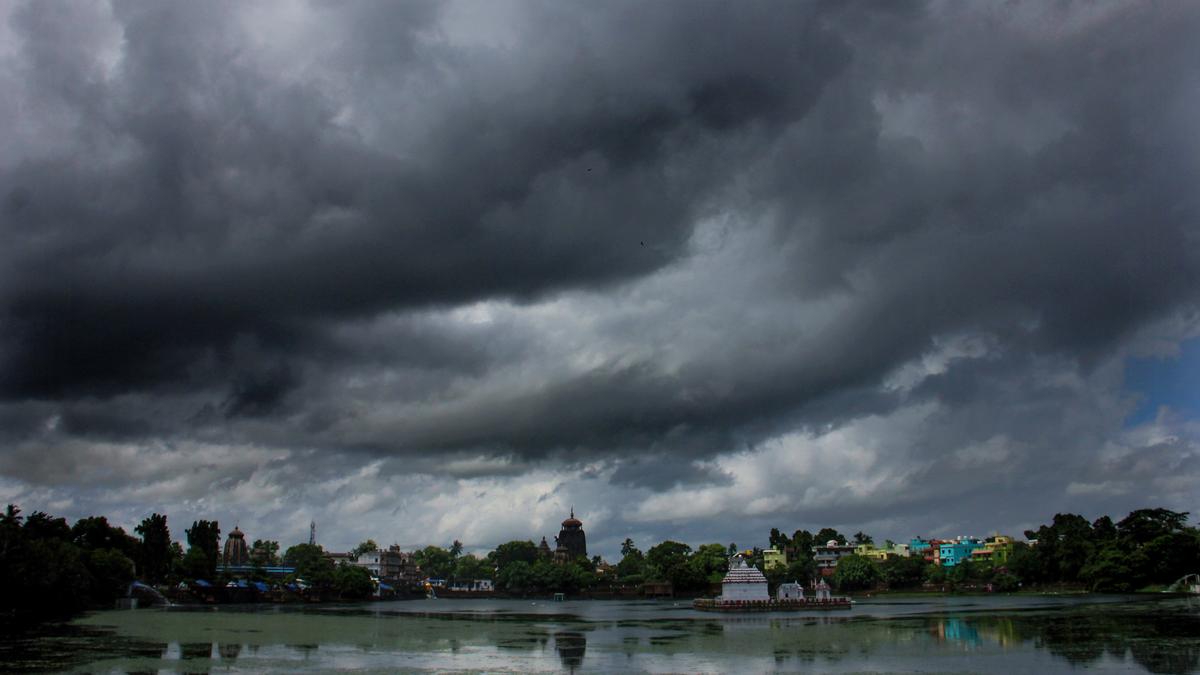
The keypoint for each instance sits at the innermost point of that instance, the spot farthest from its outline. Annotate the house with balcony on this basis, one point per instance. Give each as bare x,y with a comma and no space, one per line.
827,556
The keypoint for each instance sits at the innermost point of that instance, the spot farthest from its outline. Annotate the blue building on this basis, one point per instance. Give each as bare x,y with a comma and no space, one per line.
955,551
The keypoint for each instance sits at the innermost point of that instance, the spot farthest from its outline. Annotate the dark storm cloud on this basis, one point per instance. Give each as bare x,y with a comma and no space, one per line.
272,238
200,200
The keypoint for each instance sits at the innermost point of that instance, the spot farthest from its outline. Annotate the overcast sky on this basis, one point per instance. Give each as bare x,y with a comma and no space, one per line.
433,271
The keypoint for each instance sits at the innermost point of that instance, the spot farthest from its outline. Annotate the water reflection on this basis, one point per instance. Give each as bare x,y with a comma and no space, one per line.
949,635
1158,642
570,646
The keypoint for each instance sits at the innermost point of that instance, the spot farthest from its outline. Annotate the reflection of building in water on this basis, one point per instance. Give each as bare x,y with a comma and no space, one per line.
957,630
1002,632
572,542
570,647
236,552
230,650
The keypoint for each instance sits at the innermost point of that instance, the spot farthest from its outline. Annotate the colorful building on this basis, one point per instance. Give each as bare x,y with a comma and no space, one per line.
774,557
996,548
955,551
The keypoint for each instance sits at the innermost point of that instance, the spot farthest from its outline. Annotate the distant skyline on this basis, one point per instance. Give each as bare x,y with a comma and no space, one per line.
425,271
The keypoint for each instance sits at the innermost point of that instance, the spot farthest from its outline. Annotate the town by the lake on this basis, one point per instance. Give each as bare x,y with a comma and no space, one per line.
1103,594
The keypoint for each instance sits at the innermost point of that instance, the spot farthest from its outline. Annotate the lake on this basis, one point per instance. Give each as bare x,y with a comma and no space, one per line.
991,634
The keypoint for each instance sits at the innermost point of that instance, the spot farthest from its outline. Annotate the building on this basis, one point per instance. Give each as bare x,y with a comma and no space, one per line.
743,583
882,554
571,541
236,553
774,558
391,564
954,551
827,556
821,589
996,548
789,591
544,550
473,586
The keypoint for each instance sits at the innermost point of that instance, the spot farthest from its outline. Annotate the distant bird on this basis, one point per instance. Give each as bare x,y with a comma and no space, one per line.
643,243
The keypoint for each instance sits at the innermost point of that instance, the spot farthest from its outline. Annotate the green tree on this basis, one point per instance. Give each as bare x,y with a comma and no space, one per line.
311,565
456,549
365,547
1145,525
828,534
205,536
434,561
855,572
195,565
156,547
1112,570
514,551
265,552
12,516
469,567
861,538
40,525
1025,564
515,577
111,573
95,533
633,564
353,582
778,540
1063,547
903,572
670,561
709,563
627,547
664,558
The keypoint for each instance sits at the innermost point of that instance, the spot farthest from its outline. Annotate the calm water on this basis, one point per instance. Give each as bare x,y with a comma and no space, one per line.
986,635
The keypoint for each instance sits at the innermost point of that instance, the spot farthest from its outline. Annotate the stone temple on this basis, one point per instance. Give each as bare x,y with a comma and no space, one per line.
236,552
572,542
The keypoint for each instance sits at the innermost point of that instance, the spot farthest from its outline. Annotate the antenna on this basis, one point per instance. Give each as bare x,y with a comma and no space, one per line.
312,533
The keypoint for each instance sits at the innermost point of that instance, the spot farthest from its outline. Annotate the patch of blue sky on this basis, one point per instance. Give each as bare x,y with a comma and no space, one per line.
1165,381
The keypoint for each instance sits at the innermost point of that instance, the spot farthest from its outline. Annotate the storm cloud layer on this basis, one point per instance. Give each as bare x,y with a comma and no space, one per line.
427,271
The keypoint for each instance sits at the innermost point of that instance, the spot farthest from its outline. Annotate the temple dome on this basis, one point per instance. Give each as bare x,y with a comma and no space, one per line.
572,521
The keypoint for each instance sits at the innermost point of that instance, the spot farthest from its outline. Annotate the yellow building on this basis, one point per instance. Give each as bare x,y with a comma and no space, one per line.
773,557
996,548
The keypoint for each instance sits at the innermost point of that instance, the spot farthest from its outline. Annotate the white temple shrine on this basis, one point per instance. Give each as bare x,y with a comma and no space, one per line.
744,589
743,583
789,591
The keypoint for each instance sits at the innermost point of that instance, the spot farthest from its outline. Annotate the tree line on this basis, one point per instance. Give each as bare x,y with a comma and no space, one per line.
49,567
1148,548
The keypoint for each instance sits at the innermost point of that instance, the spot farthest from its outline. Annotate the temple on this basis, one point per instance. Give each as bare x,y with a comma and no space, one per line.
572,542
236,551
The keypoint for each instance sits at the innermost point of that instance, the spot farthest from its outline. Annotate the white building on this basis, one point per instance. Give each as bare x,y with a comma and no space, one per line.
743,584
789,591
